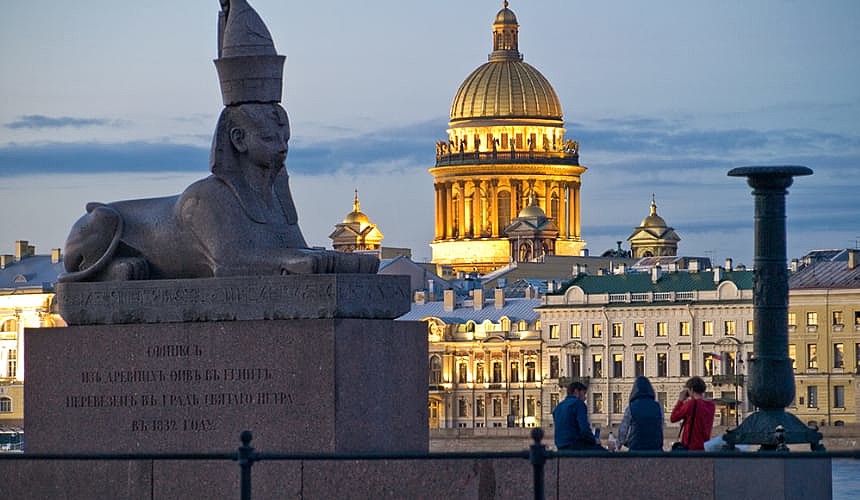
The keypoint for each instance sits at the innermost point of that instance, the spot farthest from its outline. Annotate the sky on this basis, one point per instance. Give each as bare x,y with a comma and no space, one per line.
105,100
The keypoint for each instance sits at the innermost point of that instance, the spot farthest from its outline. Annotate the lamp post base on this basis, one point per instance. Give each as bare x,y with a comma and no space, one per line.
762,427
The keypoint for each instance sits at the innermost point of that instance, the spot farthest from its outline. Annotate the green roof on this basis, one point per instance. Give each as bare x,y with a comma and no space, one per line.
639,282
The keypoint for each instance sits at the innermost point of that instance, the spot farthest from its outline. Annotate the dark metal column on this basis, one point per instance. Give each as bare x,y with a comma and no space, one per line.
771,377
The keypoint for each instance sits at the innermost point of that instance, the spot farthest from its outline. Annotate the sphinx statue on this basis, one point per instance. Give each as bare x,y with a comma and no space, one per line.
239,221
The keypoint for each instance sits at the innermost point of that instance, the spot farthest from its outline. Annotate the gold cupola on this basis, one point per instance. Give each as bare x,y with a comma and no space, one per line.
356,232
653,237
506,142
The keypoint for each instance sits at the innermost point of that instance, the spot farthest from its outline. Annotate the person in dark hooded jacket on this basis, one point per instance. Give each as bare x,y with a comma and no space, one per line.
642,425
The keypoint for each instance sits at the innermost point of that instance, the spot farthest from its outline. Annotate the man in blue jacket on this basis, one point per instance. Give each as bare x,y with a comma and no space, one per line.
572,431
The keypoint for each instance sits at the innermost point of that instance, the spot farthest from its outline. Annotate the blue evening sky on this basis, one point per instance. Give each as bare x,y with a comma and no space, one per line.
105,100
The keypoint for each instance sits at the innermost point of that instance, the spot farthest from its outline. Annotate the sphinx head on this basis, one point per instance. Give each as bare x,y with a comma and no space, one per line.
250,134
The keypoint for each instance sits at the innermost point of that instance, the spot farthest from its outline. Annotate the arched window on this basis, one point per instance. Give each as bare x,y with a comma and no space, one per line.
530,370
525,252
479,372
553,207
435,370
505,324
455,208
5,404
10,325
462,372
497,372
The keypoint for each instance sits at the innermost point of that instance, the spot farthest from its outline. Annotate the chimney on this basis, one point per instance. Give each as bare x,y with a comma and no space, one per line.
795,265
478,298
656,273
499,297
621,269
6,260
56,255
575,271
583,252
693,266
673,267
22,249
449,300
430,291
718,274
420,298
852,259
728,265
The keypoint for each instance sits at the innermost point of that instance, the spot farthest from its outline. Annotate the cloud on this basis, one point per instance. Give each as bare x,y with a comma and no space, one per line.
42,121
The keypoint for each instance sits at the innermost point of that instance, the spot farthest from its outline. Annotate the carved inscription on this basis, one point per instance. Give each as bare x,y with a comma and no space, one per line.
162,392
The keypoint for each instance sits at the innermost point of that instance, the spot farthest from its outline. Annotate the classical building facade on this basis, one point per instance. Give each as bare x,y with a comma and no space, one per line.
26,296
653,237
356,233
506,144
824,336
668,326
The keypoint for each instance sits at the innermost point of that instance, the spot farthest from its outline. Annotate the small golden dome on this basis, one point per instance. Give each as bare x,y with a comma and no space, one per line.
356,216
653,220
506,15
532,210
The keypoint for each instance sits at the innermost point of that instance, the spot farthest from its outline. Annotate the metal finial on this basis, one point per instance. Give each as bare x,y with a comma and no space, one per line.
653,205
356,207
505,4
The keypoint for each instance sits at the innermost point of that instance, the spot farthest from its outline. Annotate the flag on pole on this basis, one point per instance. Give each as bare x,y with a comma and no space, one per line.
715,356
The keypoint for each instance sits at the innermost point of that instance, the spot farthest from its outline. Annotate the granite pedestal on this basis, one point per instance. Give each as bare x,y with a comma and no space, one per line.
331,384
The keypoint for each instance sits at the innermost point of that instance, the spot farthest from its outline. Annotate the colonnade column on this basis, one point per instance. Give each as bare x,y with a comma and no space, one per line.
477,214
461,210
439,231
494,207
562,209
449,212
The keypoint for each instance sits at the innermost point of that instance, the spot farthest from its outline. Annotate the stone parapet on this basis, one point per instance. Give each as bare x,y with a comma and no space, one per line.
245,298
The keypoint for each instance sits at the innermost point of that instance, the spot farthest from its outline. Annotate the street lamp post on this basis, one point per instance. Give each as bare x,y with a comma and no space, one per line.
771,377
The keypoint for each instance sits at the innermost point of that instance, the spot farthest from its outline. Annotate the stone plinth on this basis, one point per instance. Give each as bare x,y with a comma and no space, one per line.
241,298
309,385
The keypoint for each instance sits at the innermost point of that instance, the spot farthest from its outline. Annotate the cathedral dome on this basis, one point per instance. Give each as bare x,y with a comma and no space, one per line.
356,216
532,211
506,87
653,220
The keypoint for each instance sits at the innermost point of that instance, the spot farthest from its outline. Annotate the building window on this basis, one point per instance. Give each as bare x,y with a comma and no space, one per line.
597,400
728,363
497,372
684,328
617,403
553,331
597,366
462,410
839,355
504,141
5,404
479,407
575,330
497,407
515,371
662,365
618,365
530,370
596,330
811,355
857,357
838,318
9,326
575,365
750,327
792,319
685,364
515,405
812,396
708,364
553,366
479,372
812,318
663,400
729,327
553,401
12,363
435,370
707,328
638,329
839,396
639,362
530,406
662,329
617,330
856,318
462,372
792,354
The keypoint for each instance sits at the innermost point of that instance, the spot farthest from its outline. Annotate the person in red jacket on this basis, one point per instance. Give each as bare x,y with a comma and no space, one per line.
697,413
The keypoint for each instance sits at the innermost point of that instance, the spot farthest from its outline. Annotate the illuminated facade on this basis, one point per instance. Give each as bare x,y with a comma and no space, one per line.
824,336
668,326
505,145
26,296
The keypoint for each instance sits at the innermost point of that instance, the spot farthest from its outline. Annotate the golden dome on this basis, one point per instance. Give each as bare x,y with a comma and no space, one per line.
356,216
506,87
532,210
653,220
